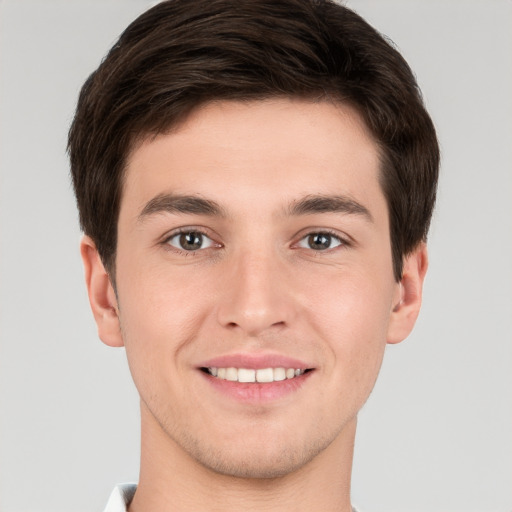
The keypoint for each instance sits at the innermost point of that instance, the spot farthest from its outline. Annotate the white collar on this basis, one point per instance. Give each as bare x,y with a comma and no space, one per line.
120,498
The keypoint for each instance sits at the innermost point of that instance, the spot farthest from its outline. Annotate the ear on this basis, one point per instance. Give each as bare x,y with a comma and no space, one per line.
407,301
102,296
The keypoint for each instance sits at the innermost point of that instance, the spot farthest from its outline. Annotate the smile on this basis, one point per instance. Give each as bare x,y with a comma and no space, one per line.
262,375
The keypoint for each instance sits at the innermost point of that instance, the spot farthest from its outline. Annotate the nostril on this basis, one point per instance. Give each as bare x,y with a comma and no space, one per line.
253,313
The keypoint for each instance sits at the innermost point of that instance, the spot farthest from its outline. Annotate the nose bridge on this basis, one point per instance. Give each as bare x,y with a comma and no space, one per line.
255,296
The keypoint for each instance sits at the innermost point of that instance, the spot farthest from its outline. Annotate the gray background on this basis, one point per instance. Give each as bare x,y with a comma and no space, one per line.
436,435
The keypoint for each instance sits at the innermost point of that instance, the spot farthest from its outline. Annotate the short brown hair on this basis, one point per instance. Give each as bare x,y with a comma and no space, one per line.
183,53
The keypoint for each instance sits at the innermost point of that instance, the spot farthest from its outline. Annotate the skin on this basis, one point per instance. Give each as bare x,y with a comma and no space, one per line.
256,286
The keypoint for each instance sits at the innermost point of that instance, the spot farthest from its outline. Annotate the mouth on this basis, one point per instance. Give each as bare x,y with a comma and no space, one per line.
256,379
250,375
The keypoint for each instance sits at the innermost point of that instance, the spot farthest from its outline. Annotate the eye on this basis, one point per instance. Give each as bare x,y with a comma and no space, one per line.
320,241
190,241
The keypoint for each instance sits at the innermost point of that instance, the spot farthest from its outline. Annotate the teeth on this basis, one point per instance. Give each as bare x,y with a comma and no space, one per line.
250,375
279,374
232,374
265,375
245,375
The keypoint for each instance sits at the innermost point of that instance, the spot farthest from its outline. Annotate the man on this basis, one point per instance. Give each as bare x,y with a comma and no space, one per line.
255,182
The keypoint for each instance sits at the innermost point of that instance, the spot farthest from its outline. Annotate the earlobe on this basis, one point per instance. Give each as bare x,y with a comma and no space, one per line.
102,296
407,304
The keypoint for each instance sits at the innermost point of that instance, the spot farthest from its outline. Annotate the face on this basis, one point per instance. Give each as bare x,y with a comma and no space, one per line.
255,290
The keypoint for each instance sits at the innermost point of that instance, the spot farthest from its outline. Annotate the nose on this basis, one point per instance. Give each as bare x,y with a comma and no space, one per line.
256,294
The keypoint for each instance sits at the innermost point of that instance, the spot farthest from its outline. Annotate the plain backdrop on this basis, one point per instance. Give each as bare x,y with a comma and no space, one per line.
436,434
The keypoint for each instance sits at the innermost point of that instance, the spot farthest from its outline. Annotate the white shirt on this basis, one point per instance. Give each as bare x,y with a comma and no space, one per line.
120,498
123,494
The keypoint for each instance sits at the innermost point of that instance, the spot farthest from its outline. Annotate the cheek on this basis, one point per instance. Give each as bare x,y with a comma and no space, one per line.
352,313
154,300
159,317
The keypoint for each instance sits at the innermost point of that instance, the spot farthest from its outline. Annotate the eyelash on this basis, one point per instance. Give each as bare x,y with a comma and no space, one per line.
343,241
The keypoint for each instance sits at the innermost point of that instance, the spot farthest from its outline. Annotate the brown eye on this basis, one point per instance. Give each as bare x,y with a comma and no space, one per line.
190,241
320,241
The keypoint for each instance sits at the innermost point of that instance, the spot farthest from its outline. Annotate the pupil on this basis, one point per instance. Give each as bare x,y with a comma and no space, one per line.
319,241
191,241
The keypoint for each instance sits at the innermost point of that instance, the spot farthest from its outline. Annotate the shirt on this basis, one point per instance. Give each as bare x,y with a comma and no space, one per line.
120,498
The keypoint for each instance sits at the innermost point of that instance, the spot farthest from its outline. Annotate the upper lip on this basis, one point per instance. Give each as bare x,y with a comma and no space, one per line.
255,361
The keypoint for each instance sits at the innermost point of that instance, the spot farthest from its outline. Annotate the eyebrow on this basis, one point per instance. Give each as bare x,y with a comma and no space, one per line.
312,204
309,205
171,203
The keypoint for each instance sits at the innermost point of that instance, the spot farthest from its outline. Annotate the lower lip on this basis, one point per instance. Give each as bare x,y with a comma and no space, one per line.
257,392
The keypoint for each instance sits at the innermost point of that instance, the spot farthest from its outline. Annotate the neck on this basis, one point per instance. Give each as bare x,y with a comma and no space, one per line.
171,480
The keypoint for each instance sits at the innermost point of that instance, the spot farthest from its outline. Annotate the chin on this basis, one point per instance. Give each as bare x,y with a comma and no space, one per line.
255,469
264,461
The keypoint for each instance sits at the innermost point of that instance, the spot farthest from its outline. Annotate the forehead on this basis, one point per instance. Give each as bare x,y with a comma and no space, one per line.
246,152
